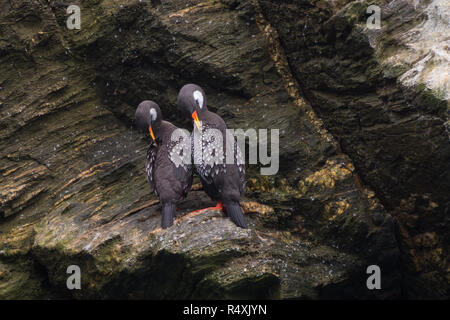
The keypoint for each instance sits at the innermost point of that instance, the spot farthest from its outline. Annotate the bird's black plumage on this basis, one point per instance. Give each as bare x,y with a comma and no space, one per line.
223,181
168,171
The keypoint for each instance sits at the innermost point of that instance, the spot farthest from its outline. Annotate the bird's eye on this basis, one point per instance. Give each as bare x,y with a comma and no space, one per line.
153,114
198,96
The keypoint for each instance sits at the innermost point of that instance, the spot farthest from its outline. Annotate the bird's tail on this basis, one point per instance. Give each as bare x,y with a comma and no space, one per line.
234,211
168,212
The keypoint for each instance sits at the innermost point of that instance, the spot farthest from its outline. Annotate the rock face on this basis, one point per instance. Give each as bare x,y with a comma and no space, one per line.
384,95
364,150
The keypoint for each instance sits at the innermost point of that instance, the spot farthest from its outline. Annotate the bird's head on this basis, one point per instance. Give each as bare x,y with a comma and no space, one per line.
192,102
148,117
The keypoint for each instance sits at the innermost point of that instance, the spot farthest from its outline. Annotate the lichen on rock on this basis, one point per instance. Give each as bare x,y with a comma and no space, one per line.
72,184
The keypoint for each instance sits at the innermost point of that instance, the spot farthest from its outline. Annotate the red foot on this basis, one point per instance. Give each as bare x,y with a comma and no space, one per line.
219,206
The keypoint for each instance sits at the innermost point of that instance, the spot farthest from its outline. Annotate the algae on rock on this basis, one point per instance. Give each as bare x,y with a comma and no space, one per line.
72,188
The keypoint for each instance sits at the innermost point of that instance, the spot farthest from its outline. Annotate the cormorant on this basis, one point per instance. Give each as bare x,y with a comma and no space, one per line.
168,174
223,181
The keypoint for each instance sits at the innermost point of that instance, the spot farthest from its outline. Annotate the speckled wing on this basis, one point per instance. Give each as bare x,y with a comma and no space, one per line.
151,158
180,156
240,162
209,167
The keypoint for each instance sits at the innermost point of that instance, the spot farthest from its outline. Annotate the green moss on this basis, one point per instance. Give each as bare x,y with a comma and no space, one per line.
432,101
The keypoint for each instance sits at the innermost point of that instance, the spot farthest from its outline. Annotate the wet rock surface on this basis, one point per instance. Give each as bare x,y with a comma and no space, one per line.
72,183
383,94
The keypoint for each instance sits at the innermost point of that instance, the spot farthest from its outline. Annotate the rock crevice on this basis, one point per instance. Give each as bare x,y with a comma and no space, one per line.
73,190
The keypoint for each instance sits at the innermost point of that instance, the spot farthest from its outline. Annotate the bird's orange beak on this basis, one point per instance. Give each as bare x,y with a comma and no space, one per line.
196,121
151,133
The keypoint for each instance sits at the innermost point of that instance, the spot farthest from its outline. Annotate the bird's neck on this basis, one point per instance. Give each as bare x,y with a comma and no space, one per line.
204,115
162,129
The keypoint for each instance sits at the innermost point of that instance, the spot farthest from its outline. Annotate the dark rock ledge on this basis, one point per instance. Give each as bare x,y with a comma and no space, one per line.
72,189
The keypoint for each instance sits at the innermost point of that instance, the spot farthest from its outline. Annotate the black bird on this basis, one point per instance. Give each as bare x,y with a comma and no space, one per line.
169,175
223,181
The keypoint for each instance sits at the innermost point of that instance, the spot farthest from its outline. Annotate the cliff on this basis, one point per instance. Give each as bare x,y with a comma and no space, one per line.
364,149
